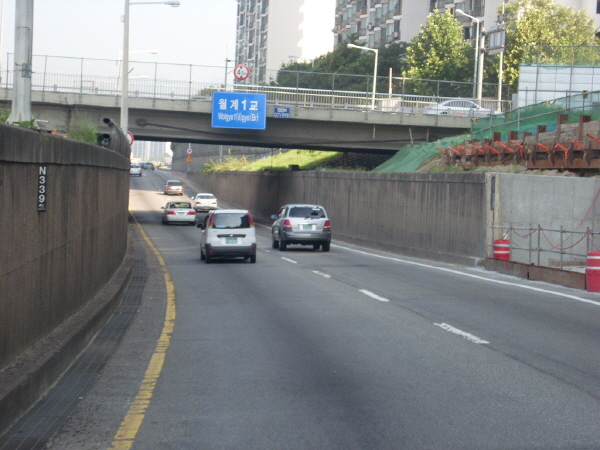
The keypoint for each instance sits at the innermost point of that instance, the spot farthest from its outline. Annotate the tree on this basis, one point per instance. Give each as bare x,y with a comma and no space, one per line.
344,68
535,30
439,52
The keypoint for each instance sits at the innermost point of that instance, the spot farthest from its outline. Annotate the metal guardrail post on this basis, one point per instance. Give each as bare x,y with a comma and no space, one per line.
539,248
561,247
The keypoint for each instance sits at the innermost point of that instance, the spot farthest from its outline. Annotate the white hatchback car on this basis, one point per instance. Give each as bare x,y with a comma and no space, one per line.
228,233
135,170
204,202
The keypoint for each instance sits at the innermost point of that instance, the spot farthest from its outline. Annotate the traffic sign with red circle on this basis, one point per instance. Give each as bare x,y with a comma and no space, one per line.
241,72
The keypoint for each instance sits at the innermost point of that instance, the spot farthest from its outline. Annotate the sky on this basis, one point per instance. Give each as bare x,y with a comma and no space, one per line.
199,32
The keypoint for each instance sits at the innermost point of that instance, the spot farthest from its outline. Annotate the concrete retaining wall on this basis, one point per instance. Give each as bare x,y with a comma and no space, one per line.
439,216
56,261
526,201
445,216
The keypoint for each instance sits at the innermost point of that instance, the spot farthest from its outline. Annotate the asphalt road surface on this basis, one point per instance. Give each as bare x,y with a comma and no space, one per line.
349,349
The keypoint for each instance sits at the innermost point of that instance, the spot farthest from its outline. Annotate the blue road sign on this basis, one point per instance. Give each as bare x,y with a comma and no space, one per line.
239,110
281,112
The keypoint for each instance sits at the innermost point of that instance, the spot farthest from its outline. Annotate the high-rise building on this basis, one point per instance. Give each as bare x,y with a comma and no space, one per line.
273,32
381,22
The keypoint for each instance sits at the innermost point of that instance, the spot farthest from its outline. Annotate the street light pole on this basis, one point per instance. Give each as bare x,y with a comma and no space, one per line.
374,70
125,62
476,72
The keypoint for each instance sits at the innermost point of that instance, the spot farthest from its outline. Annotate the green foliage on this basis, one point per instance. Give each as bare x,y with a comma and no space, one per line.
4,113
439,52
305,159
347,69
84,132
27,124
533,25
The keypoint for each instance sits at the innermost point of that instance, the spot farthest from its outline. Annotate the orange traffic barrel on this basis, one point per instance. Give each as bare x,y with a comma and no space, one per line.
592,271
502,249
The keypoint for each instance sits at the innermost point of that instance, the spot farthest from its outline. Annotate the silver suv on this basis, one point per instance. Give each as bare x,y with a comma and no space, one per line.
301,224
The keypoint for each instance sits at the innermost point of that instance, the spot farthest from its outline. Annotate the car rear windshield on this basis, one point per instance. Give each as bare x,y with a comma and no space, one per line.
173,183
206,197
231,220
307,211
181,205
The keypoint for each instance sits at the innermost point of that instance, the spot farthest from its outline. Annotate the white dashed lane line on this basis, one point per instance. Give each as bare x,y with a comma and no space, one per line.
375,296
324,275
289,260
464,334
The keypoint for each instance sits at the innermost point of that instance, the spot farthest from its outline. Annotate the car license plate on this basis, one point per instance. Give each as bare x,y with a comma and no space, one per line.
231,240
307,226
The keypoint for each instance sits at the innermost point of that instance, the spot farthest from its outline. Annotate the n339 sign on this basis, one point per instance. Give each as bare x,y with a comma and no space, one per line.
42,179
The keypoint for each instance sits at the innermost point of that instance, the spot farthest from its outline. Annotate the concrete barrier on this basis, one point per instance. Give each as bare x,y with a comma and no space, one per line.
431,215
63,237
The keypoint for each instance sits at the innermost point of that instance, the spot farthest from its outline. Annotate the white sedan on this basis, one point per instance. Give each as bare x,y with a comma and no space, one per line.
458,107
204,202
178,212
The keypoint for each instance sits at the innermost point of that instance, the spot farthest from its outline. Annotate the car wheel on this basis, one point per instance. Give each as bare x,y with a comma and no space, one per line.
316,246
253,259
274,242
207,258
282,245
202,257
326,246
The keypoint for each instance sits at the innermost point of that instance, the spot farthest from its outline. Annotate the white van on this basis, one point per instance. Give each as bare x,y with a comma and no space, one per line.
228,233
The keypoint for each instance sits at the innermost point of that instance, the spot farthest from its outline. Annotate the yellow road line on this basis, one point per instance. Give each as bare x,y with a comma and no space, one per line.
127,432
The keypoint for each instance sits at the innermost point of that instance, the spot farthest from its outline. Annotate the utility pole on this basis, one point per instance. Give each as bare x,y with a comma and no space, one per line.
21,104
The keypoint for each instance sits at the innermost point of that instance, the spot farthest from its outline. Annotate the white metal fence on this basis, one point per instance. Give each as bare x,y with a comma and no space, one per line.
189,82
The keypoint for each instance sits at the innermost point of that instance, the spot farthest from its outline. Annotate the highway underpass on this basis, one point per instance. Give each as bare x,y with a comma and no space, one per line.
153,119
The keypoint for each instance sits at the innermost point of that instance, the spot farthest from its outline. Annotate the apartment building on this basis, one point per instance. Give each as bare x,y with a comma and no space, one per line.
273,32
381,22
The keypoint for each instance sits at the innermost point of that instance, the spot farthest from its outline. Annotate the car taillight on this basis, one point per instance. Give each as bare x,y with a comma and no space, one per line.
327,225
191,213
210,222
287,225
250,220
171,213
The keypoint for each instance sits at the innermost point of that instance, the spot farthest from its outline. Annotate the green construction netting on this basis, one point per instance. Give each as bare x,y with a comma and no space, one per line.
528,118
412,157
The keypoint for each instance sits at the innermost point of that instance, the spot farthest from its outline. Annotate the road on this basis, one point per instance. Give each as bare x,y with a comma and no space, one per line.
350,349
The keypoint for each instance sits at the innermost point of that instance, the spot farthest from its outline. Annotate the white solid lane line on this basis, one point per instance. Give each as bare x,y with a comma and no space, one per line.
289,260
443,269
375,296
464,334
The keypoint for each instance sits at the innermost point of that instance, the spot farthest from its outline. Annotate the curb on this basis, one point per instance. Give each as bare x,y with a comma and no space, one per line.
31,374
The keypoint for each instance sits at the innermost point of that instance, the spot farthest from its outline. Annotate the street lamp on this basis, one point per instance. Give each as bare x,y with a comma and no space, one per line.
374,70
125,63
478,70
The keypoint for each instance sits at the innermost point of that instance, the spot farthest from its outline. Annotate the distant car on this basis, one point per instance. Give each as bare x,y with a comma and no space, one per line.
204,202
301,224
178,212
147,165
173,187
458,107
135,170
228,233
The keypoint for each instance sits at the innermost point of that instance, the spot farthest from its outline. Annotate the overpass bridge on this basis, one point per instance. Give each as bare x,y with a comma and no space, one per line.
180,111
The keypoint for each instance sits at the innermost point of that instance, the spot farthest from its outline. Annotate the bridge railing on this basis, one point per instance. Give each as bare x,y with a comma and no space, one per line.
194,90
